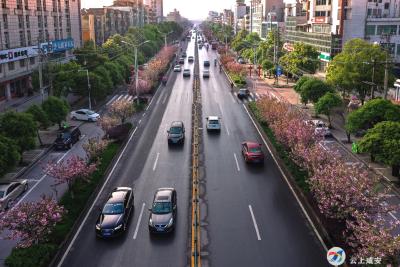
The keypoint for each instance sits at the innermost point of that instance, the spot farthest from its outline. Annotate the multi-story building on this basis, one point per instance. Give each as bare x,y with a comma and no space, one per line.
228,17
156,10
174,16
212,16
262,11
239,12
30,31
88,26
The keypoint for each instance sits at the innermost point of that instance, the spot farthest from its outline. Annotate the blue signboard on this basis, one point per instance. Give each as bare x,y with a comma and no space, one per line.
62,45
278,71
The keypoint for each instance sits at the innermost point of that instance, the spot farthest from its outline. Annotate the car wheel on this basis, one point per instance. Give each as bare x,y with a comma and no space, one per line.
73,118
90,120
69,145
25,187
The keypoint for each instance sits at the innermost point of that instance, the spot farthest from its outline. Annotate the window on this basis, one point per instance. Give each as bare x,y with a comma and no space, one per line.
40,35
22,63
56,35
370,30
32,61
1,67
3,3
6,40
11,65
320,13
28,34
47,35
45,21
22,38
55,21
54,6
5,21
19,4
387,5
38,5
28,23
44,5
386,29
40,21
321,2
60,21
20,21
26,4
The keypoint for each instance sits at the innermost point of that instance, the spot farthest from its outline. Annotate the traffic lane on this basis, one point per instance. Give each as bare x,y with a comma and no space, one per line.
87,249
255,191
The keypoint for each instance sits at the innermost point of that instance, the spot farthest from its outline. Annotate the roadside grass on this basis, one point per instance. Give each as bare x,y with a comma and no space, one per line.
40,255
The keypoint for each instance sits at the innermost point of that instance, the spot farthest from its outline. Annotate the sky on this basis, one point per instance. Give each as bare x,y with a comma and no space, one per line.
191,9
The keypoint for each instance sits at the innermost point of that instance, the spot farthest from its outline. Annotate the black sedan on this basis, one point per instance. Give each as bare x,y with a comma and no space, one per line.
163,211
243,93
113,218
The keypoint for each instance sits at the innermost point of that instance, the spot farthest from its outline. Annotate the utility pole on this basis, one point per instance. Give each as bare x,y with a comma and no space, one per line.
385,82
136,75
137,13
89,87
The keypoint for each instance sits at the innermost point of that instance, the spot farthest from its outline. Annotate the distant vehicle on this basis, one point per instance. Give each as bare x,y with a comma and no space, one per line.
181,60
213,123
67,138
206,63
176,133
177,68
84,115
190,58
186,73
320,128
243,93
214,45
200,46
184,54
241,60
10,191
114,216
164,79
163,211
252,152
206,73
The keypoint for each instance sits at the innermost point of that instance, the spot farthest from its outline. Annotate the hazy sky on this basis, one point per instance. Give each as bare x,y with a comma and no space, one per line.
192,9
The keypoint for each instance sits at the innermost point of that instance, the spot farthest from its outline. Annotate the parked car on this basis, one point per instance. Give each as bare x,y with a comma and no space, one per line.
206,73
67,138
190,58
186,73
243,93
213,123
163,211
84,115
206,63
176,133
177,68
241,60
252,152
320,128
181,60
114,216
10,191
184,54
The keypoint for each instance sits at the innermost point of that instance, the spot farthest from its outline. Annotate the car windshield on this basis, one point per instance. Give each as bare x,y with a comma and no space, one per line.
161,207
242,91
255,149
113,208
175,130
213,122
89,112
64,135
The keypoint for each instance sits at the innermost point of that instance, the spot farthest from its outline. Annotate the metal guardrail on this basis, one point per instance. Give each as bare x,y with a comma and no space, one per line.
196,122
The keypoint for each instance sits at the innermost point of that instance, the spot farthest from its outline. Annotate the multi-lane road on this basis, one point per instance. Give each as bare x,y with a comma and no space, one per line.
249,216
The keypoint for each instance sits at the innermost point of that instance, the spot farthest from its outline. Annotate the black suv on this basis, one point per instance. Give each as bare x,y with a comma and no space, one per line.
113,218
67,138
176,133
206,63
163,211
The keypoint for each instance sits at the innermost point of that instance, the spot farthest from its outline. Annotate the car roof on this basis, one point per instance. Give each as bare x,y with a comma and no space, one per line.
176,66
177,124
206,61
251,144
212,118
186,69
163,194
117,196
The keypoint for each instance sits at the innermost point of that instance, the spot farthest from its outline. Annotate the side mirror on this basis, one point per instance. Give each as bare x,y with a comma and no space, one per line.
149,209
167,131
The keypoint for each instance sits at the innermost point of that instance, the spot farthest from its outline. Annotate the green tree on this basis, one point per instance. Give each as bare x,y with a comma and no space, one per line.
105,78
115,71
371,113
268,65
63,79
327,103
383,143
237,42
303,59
300,82
313,89
39,116
20,127
359,61
56,109
9,155
90,56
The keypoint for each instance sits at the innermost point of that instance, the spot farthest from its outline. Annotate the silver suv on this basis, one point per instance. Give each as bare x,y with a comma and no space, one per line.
213,123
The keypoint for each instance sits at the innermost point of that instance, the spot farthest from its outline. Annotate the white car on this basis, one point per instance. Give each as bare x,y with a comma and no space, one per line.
320,128
10,191
213,123
177,68
84,115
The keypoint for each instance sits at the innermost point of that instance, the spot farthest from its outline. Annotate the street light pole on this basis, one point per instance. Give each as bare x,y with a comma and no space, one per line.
89,88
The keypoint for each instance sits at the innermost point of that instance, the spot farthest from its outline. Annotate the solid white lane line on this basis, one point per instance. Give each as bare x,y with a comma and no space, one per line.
155,162
138,222
159,99
254,223
95,201
288,183
227,130
237,162
111,100
165,99
139,121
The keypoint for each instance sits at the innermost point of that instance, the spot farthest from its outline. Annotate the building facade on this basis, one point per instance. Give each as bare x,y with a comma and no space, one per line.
156,10
174,16
239,11
31,31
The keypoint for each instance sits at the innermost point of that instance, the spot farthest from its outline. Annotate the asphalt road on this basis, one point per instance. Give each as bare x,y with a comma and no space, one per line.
251,217
147,164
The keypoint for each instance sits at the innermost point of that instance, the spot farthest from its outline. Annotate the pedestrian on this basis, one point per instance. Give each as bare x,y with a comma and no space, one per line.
232,86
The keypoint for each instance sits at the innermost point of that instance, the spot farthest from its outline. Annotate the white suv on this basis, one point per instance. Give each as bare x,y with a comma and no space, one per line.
213,123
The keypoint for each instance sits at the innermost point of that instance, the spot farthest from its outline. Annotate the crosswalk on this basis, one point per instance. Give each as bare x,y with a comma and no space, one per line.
123,96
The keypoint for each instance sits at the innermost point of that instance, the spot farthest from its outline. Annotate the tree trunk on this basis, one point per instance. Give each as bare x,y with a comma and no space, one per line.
396,170
348,137
329,121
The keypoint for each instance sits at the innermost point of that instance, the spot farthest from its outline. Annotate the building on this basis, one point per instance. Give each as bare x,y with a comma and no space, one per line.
88,26
31,31
213,16
227,17
256,16
262,11
239,12
156,10
174,16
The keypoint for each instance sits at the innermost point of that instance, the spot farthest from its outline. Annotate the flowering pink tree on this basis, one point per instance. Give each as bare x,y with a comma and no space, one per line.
31,222
107,122
121,109
68,171
94,147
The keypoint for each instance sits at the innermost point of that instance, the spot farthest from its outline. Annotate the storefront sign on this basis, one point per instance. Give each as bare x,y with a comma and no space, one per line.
325,57
62,45
16,54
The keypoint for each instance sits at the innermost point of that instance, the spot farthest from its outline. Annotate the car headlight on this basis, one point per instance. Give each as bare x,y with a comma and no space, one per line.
150,222
98,227
171,221
118,227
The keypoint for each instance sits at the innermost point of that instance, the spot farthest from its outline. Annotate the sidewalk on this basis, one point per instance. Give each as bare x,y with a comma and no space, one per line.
286,93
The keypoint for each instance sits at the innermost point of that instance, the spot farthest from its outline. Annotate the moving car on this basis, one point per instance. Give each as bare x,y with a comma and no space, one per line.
243,93
184,54
206,74
181,60
241,60
10,191
67,138
186,73
252,152
114,216
206,63
163,211
213,123
177,68
84,115
176,133
320,128
190,58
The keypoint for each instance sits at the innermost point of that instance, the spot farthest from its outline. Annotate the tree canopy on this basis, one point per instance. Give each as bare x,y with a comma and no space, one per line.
303,59
327,103
313,89
56,109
